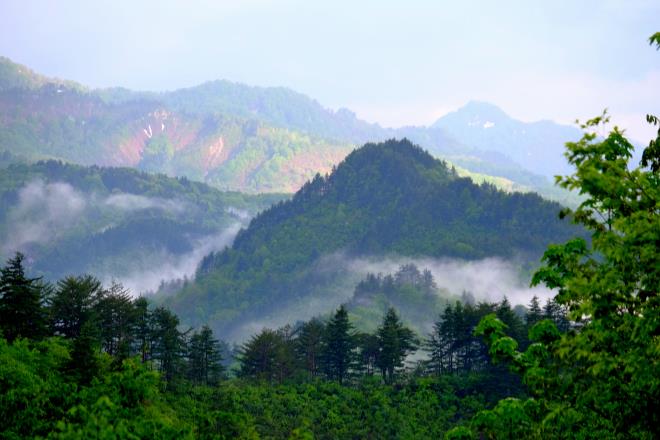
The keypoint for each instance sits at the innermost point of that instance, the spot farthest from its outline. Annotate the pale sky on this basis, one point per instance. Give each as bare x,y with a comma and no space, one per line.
396,63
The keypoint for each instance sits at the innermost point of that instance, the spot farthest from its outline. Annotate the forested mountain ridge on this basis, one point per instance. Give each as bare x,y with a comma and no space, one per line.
391,198
117,223
230,135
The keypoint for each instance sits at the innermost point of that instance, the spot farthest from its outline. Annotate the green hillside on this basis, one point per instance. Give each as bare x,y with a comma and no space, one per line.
391,198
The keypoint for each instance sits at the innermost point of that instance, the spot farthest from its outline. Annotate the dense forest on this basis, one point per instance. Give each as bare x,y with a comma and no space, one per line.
391,198
84,357
81,358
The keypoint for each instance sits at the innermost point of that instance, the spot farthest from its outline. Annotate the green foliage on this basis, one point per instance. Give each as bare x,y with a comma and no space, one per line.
395,342
338,345
600,379
205,358
21,303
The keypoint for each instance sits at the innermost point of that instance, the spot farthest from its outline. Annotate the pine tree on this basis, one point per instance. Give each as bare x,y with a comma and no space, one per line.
168,345
21,303
338,346
534,313
74,303
309,344
368,352
142,329
258,357
395,342
204,358
84,363
116,319
557,314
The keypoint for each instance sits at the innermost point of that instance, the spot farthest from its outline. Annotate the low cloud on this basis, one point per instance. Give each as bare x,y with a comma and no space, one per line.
43,212
133,202
335,277
489,279
166,267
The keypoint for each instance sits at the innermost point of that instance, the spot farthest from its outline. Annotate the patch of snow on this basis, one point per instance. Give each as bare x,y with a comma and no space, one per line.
162,126
489,124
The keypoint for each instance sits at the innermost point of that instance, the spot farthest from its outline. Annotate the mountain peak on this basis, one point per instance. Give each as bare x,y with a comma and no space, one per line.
474,114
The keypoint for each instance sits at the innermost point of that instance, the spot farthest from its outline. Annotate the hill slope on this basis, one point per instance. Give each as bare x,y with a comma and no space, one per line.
116,223
388,199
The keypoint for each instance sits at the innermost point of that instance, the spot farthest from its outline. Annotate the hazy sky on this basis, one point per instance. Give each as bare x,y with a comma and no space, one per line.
396,63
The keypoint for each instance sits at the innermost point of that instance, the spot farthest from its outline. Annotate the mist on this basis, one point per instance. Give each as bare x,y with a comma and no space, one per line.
489,279
334,277
133,202
166,267
43,213
47,211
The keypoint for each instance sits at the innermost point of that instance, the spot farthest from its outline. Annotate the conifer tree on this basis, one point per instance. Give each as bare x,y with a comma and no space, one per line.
204,358
309,344
116,319
74,303
395,342
142,329
168,345
534,313
258,357
338,346
21,303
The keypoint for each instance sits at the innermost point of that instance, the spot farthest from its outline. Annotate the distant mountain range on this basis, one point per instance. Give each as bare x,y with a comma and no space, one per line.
253,139
384,200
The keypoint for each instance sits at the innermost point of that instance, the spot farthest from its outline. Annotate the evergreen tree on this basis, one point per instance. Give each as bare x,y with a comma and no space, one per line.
534,313
204,358
84,362
142,329
259,356
309,344
74,303
338,346
368,353
168,344
21,303
116,319
557,314
515,326
395,342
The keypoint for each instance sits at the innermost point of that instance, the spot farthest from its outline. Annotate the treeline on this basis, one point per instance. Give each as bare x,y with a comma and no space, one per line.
106,319
335,351
77,358
99,319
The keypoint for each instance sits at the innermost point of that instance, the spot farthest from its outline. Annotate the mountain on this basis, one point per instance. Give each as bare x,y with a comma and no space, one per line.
116,223
229,135
536,146
384,200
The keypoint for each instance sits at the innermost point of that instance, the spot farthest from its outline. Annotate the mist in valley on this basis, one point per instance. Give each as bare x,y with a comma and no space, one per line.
45,213
332,281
